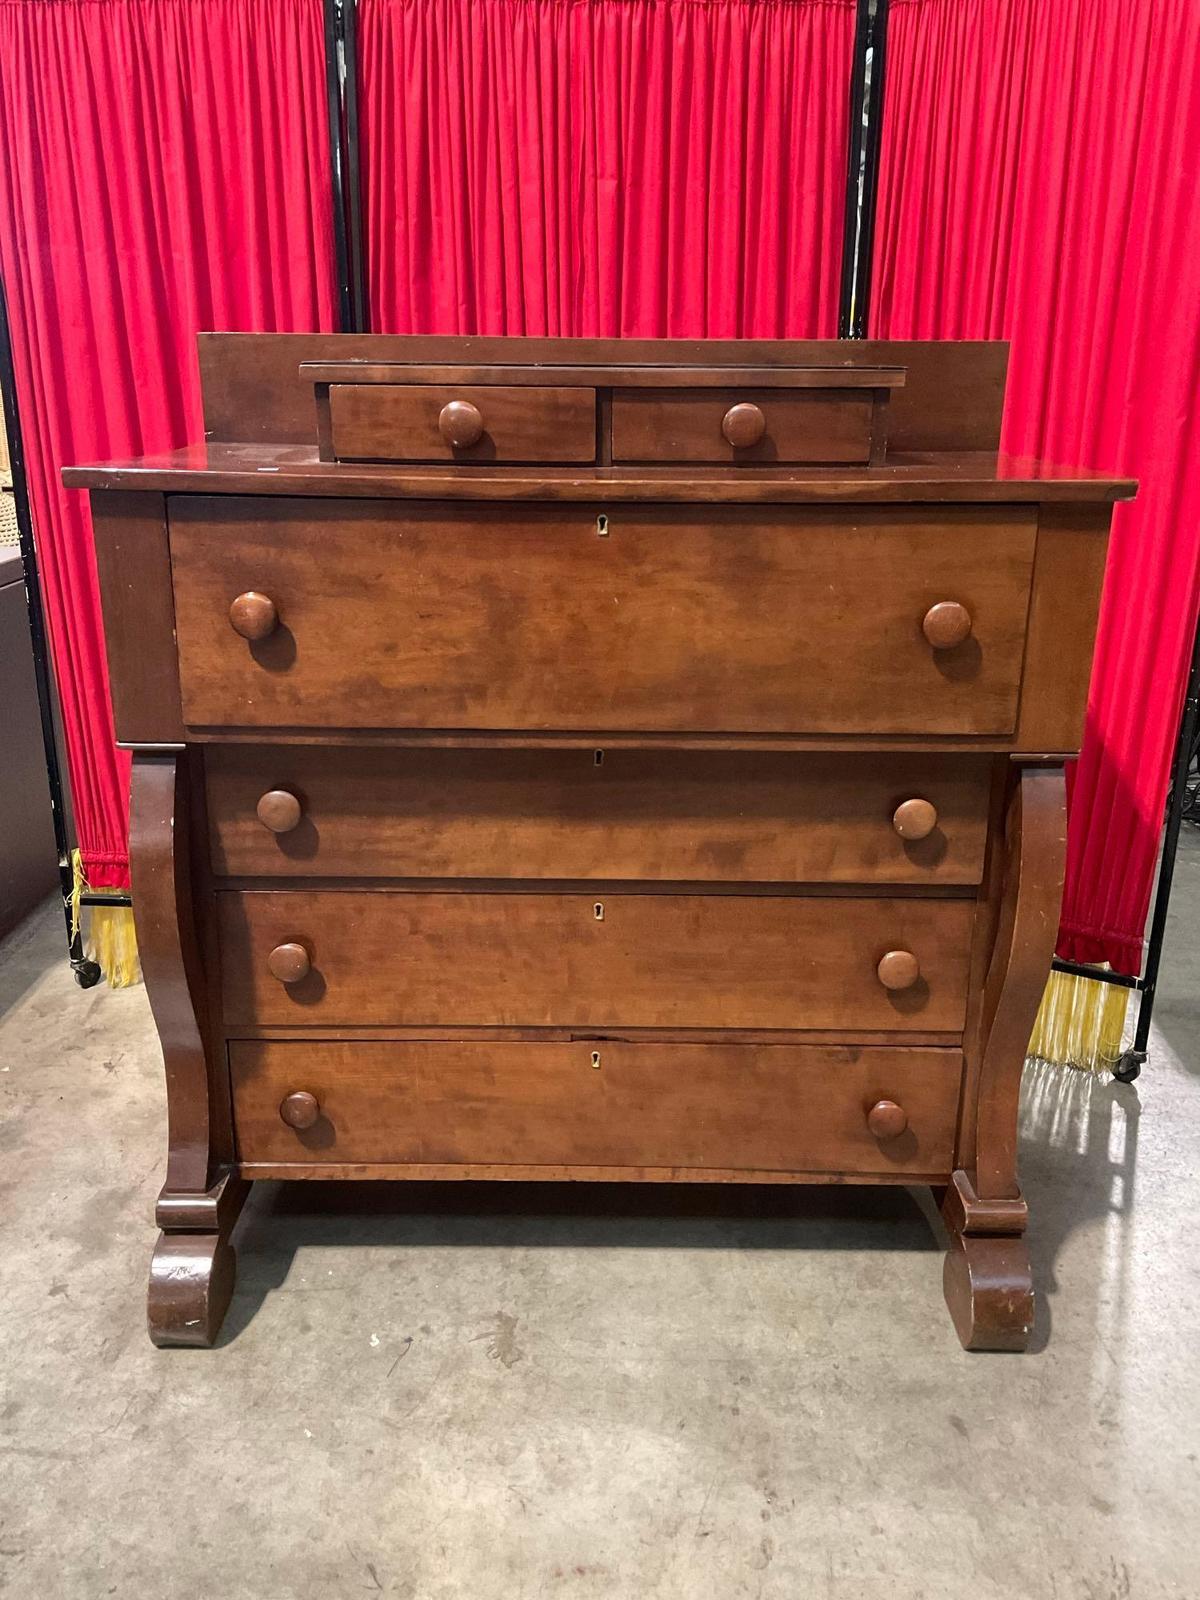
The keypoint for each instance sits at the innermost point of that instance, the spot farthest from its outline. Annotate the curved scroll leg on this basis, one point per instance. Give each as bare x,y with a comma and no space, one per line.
989,1289
191,1276
987,1279
191,1282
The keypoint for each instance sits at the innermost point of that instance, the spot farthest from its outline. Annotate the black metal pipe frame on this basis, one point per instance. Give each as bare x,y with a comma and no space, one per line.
862,167
1134,1059
86,972
341,93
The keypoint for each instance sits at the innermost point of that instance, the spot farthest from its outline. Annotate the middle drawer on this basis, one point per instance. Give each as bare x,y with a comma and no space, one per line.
620,815
381,957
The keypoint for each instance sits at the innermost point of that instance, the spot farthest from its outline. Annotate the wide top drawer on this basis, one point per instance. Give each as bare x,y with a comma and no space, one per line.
301,613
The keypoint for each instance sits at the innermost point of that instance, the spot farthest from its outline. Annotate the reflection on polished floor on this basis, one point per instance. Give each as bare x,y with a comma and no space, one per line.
617,1394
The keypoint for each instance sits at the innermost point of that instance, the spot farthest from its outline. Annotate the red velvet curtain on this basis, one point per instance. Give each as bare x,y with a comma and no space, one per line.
605,167
164,167
1039,183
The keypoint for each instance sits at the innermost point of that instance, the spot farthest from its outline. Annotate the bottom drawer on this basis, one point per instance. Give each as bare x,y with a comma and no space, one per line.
786,1108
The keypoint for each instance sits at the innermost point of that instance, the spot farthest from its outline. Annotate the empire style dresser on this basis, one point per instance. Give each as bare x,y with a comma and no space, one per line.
600,761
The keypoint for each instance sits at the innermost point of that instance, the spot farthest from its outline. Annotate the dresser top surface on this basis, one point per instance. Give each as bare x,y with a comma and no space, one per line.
230,467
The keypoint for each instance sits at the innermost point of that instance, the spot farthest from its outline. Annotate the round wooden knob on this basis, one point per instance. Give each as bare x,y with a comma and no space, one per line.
899,969
253,615
280,810
743,425
460,424
886,1119
914,819
303,1110
289,963
946,624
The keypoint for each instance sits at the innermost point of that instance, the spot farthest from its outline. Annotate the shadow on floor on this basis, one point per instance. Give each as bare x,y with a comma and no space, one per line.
1078,1159
281,1217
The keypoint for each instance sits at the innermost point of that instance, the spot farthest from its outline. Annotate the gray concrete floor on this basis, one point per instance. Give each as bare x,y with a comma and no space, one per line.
629,1395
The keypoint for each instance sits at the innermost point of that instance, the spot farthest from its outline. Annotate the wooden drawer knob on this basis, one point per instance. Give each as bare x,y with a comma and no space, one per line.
280,810
946,624
289,963
460,424
253,615
914,819
886,1119
302,1110
898,969
743,425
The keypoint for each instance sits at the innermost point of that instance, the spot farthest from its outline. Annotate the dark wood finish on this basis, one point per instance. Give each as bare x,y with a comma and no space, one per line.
541,960
898,970
1034,847
989,1289
191,1274
1063,611
289,962
191,1284
300,1110
597,1103
595,813
771,425
171,966
914,820
253,616
133,565
952,398
921,478
597,821
460,424
886,1120
743,425
279,811
600,376
436,422
947,625
669,621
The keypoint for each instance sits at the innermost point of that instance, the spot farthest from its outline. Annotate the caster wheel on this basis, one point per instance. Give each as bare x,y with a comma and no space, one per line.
1129,1066
87,974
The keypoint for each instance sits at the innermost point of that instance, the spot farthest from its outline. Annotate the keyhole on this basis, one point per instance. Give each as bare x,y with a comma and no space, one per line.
602,526
598,757
598,911
596,1060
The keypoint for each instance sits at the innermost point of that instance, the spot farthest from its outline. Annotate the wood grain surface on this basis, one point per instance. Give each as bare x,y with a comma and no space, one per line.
399,422
751,1106
578,960
816,425
664,815
544,618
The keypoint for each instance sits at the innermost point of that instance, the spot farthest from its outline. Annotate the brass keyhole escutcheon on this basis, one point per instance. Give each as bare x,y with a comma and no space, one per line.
595,1061
598,911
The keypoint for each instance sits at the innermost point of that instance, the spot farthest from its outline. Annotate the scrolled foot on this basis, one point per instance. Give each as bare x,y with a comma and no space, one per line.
988,1286
191,1282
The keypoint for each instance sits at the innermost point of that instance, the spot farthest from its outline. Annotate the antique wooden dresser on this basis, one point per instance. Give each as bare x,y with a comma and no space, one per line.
597,760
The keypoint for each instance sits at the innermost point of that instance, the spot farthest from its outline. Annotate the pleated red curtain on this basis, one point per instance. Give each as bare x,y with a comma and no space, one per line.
1039,181
164,168
605,167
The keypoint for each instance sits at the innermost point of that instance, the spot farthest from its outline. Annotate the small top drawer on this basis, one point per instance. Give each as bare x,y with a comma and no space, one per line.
753,427
456,422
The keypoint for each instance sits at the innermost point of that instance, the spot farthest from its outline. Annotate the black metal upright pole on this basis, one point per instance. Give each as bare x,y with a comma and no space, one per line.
341,94
86,972
862,166
1132,1061
337,172
358,284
